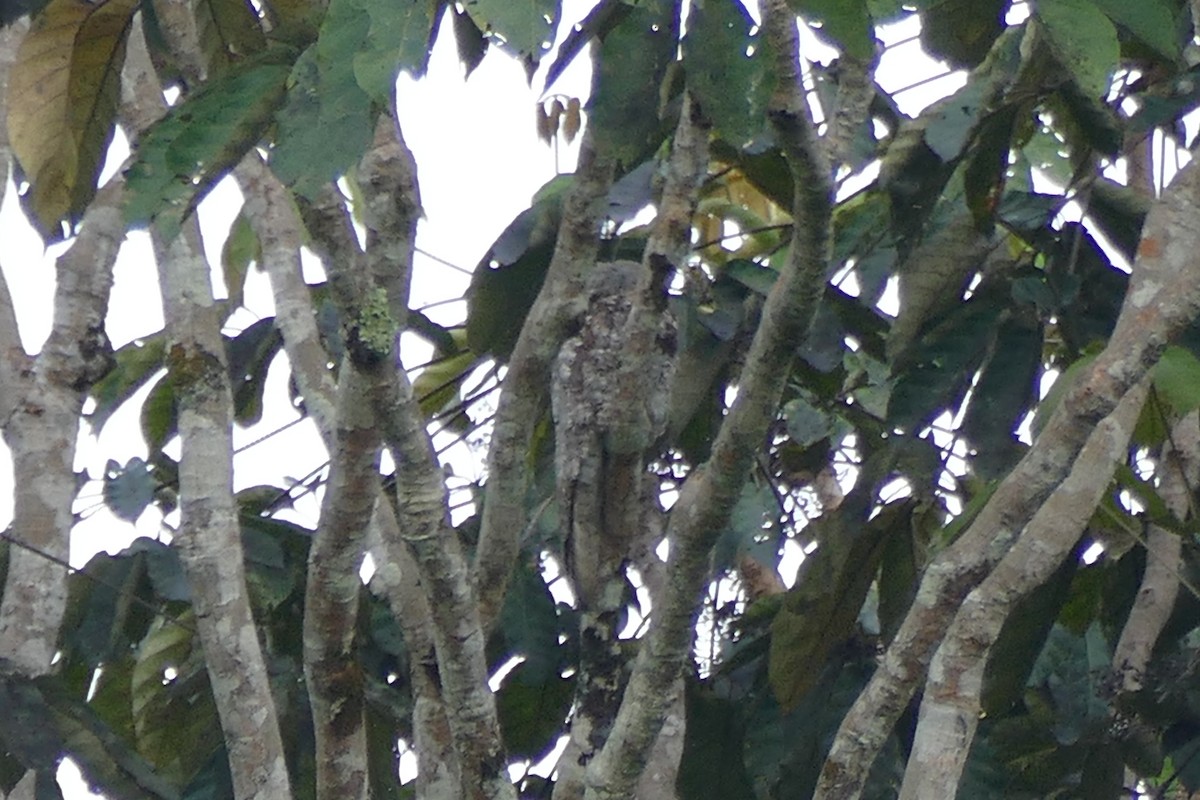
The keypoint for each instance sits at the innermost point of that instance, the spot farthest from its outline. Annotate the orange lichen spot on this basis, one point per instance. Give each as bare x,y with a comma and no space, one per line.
1149,247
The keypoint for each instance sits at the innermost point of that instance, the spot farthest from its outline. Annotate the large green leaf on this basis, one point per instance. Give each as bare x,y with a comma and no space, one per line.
327,121
728,68
186,152
398,40
1004,391
62,99
524,26
627,84
136,364
508,279
175,717
530,625
250,354
847,22
961,32
1152,21
129,489
532,712
1083,40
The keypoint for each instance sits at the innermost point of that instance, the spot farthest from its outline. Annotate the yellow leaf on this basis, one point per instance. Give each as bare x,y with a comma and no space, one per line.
63,94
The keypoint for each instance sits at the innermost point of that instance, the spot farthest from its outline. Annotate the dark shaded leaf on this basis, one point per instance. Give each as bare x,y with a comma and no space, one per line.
728,69
846,22
525,27
961,32
1083,40
250,354
627,83
136,364
710,766
186,152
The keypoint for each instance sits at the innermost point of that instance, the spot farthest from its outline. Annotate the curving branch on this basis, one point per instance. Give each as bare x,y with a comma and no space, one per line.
459,638
1180,473
331,669
524,396
1163,297
952,701
710,492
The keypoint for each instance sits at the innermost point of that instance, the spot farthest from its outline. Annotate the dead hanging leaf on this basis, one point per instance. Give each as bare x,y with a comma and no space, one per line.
572,120
545,127
63,93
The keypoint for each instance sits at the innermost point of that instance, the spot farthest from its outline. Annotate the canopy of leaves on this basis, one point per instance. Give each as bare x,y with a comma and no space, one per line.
898,417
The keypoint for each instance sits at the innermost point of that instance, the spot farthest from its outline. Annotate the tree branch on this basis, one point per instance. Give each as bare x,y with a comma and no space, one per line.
1155,600
710,492
1163,297
331,668
209,538
952,701
524,395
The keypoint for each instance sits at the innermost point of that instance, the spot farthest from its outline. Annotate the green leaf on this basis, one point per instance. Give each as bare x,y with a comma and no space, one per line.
186,152
62,96
961,32
728,68
525,27
241,249
805,423
627,84
175,720
752,529
160,414
250,354
1083,40
846,22
508,279
530,625
328,119
438,386
532,713
137,363
1177,380
1152,21
398,40
128,490
709,766
1004,391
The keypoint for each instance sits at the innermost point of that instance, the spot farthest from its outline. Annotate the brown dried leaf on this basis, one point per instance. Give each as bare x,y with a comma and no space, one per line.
573,120
63,94
546,127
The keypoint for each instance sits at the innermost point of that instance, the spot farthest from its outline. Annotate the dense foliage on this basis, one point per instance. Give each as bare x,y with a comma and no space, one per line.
985,246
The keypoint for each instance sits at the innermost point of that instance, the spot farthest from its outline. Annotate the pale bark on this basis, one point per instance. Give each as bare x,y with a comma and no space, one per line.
43,428
422,515
386,175
710,492
331,669
1179,474
525,395
209,538
41,400
951,706
1163,297
610,396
